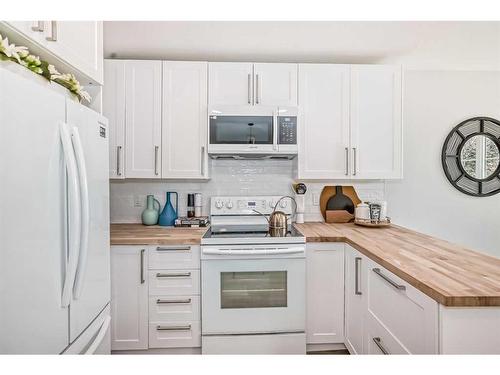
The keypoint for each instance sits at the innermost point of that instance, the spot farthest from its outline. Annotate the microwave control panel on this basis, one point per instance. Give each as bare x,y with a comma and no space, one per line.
287,126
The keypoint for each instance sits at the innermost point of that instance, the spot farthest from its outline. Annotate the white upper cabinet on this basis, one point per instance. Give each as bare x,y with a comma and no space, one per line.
324,121
230,84
143,80
325,293
248,84
275,84
185,116
79,44
376,123
114,109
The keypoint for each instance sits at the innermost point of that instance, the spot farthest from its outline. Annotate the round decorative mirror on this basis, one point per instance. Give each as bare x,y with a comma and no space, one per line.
471,156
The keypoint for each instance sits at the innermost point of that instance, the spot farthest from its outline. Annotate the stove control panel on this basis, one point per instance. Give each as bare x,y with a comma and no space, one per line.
246,205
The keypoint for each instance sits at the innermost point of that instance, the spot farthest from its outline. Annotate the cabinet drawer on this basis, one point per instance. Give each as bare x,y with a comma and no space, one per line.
174,257
174,282
408,314
174,309
378,340
175,335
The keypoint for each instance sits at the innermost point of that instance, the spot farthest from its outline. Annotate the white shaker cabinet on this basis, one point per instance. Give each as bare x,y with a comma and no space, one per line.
275,84
355,300
324,121
114,110
77,44
185,117
376,122
129,298
325,293
143,80
249,84
230,83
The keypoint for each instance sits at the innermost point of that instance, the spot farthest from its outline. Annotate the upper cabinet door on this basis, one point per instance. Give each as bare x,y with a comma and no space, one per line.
275,84
230,84
376,124
80,43
143,118
113,100
185,116
324,121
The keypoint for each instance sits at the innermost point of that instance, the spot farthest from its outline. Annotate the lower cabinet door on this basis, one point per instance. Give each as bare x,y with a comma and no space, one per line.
129,298
355,302
325,293
175,334
407,315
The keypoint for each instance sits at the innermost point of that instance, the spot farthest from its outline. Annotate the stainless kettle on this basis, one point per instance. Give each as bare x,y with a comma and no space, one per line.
278,220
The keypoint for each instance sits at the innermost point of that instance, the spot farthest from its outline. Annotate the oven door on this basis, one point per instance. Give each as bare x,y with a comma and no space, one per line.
244,294
240,131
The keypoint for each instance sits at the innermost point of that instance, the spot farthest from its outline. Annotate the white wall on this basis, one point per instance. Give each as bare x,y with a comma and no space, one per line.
434,102
228,177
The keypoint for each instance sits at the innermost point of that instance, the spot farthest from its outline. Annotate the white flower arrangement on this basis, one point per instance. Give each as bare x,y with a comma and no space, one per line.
22,56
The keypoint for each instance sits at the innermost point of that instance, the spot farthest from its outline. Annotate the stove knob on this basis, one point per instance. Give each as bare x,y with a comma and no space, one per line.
272,204
241,204
219,204
229,204
283,204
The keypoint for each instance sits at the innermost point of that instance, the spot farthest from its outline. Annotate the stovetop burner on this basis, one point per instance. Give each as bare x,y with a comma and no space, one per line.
215,232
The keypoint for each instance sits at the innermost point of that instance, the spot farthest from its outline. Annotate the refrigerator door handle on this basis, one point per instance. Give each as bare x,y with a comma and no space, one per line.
85,213
74,214
100,336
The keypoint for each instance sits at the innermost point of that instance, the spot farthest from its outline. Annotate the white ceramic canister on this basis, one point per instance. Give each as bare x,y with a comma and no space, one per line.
362,211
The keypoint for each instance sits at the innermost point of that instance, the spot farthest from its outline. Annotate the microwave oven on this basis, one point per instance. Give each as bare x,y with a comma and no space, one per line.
253,133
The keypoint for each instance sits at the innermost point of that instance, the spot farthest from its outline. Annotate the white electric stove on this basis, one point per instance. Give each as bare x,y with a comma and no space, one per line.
253,284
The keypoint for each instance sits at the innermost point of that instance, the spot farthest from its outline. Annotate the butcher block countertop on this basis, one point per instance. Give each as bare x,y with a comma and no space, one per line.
450,274
138,234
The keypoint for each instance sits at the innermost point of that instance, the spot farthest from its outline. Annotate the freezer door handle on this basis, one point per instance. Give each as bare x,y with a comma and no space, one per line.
100,336
74,214
85,213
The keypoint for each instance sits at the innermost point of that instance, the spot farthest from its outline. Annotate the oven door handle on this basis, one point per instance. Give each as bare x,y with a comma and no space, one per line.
267,251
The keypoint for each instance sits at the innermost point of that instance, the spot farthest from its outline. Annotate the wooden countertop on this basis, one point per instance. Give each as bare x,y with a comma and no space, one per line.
138,234
450,274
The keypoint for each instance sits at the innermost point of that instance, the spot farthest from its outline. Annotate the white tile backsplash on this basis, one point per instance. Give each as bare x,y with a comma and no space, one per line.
229,177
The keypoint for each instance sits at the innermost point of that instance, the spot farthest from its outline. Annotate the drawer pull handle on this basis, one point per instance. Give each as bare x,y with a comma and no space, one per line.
174,328
165,301
181,274
378,342
187,248
392,282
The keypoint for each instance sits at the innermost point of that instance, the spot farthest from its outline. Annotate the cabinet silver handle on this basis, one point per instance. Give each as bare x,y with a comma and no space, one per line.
165,301
142,266
118,164
354,162
378,342
180,274
257,99
156,160
203,161
357,264
392,282
177,248
346,161
53,32
174,328
249,88
40,26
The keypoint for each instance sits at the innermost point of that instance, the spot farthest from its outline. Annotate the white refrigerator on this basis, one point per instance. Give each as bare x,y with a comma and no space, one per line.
54,221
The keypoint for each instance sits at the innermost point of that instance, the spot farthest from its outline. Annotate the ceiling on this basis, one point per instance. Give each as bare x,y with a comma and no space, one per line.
438,43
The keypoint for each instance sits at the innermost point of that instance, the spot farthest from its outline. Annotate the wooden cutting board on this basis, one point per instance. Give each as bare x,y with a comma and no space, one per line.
329,191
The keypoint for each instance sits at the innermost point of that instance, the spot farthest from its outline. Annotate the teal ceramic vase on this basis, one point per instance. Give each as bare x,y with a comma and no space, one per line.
168,215
150,214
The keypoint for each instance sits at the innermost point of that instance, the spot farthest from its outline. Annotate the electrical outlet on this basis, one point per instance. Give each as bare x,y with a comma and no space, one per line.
315,199
138,201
